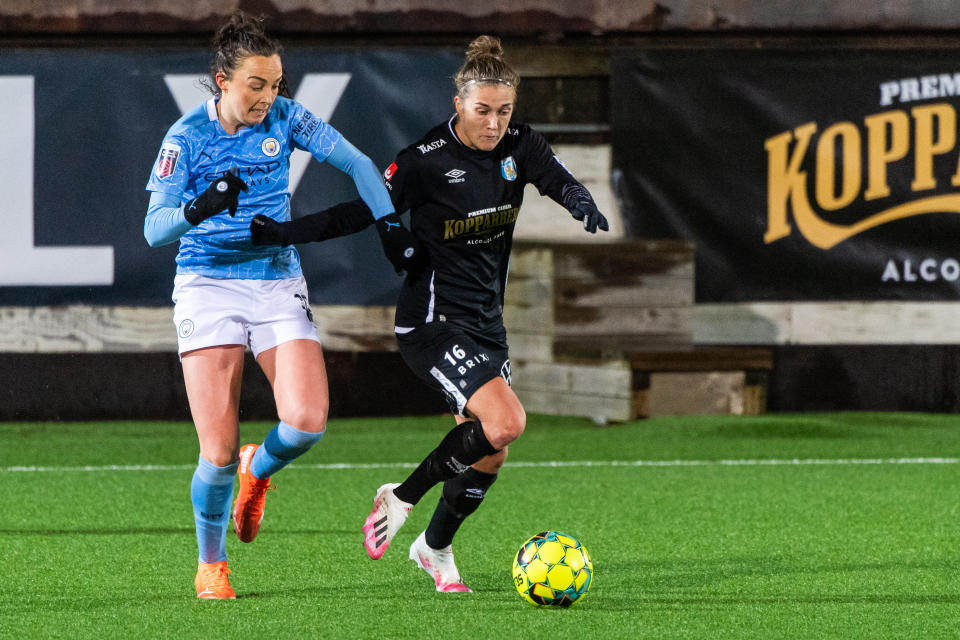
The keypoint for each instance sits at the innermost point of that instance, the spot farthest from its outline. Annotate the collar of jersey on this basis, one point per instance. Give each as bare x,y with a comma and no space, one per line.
212,114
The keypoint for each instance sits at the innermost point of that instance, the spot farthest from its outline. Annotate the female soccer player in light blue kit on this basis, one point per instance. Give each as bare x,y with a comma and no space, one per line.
219,165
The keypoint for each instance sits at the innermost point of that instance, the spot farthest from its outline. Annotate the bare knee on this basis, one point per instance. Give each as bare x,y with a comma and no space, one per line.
505,427
220,456
305,417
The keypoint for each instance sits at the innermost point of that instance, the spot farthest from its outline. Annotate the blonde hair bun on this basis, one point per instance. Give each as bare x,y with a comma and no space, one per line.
485,46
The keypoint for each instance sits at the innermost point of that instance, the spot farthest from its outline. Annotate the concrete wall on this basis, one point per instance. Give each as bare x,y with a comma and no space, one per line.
410,17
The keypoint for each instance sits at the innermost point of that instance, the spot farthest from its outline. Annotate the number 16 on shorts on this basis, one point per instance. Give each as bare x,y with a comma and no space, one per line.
457,357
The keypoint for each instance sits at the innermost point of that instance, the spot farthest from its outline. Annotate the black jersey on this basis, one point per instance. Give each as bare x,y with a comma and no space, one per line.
463,207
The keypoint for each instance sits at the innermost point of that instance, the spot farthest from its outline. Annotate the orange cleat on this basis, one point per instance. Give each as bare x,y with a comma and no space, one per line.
212,582
248,507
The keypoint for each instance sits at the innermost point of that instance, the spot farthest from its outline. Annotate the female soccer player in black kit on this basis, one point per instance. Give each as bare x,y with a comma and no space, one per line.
463,184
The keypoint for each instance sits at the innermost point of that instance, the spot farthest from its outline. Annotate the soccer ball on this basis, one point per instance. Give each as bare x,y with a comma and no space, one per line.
552,569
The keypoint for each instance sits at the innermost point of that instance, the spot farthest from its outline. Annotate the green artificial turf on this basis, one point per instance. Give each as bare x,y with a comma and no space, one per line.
858,545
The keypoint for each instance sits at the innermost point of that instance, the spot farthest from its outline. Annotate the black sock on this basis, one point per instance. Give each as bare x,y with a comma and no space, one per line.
460,448
462,496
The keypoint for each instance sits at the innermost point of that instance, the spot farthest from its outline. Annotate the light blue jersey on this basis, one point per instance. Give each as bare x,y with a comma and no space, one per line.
197,150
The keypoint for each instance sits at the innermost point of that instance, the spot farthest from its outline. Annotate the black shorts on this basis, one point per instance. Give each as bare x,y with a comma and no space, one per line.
452,361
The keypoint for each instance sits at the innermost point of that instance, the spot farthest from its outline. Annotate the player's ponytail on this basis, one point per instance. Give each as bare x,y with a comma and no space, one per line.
240,37
484,65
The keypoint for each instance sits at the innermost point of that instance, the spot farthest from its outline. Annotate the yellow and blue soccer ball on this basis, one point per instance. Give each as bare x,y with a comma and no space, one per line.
552,569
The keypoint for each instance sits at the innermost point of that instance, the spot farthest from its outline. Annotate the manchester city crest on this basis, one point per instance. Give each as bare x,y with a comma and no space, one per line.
185,330
270,147
508,168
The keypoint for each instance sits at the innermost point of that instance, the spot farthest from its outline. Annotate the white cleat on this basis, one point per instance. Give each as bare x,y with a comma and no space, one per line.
388,515
439,564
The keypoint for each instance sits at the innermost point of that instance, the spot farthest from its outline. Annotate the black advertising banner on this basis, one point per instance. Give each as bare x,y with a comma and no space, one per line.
829,175
81,130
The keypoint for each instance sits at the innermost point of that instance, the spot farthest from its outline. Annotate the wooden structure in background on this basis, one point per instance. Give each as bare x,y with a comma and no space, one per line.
597,329
604,330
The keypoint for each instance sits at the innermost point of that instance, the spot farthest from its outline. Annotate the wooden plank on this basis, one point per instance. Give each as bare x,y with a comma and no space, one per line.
352,328
542,219
754,398
86,328
590,264
601,410
606,348
530,346
529,291
547,60
827,323
531,262
748,323
528,319
611,380
83,328
596,321
636,291
709,393
702,358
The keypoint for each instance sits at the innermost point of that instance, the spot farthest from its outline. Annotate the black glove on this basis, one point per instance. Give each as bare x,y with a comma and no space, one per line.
402,248
587,211
266,230
223,193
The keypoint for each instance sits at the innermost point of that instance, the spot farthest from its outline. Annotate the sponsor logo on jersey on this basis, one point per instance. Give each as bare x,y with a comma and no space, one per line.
456,175
480,223
167,162
306,126
392,169
270,147
430,146
508,168
253,175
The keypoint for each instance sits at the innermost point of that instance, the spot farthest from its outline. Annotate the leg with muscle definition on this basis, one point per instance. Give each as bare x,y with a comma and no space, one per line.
212,377
298,376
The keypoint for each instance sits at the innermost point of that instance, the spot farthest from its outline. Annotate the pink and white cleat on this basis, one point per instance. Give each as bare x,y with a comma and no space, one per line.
439,564
388,515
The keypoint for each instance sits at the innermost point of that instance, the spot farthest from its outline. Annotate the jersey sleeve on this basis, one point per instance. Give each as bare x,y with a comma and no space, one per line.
171,169
165,221
312,134
545,171
365,176
403,183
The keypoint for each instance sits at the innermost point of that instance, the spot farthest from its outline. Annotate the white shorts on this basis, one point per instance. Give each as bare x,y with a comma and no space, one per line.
211,312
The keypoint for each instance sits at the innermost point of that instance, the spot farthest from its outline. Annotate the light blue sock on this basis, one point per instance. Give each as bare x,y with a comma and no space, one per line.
282,445
211,492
